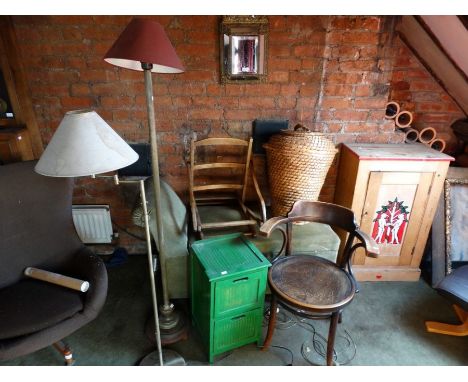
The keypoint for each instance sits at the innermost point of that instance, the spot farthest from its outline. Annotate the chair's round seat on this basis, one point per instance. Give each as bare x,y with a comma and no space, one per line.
311,283
31,305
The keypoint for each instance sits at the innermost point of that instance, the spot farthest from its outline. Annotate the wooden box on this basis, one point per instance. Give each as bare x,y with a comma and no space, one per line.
393,190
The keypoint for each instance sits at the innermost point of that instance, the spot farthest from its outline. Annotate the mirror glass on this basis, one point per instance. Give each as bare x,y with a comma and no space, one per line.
243,48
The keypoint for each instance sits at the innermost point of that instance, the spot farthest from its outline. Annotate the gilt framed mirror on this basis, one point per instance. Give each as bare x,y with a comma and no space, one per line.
449,234
244,49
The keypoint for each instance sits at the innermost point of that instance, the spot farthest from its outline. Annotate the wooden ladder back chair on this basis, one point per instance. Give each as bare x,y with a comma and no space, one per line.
205,188
309,285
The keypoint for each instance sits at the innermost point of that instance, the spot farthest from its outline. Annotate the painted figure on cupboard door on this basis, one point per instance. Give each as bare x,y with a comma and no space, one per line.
390,223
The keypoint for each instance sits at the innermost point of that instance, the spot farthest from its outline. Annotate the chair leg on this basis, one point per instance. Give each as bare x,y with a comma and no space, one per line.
451,330
462,314
66,352
331,337
271,323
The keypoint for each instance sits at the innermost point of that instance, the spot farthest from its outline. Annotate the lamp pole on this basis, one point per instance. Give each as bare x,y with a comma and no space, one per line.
169,318
144,46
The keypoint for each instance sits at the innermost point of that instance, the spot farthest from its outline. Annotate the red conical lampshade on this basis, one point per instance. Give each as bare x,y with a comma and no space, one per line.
144,40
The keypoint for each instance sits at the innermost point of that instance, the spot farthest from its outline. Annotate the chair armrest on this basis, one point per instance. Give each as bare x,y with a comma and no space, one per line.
88,266
259,194
270,225
369,243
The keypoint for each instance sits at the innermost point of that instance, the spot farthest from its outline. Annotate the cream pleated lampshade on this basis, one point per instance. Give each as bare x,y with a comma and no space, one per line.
84,144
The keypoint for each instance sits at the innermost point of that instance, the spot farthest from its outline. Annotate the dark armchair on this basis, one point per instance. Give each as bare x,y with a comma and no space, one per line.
454,287
36,230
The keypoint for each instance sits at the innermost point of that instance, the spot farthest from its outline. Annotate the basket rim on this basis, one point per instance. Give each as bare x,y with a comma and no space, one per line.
300,133
330,149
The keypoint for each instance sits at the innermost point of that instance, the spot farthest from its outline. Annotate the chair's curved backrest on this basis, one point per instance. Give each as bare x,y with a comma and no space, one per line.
36,225
337,217
325,213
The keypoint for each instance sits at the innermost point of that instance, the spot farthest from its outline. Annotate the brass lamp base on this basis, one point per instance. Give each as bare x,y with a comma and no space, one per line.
169,334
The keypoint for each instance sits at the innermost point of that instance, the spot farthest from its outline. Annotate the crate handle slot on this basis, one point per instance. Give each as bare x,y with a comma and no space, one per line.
241,280
238,317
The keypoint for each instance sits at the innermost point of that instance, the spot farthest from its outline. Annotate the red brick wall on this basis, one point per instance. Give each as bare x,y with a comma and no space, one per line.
62,56
355,87
417,91
355,84
63,59
330,73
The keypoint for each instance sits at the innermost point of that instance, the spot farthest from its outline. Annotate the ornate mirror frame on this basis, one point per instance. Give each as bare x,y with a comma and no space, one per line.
456,194
243,49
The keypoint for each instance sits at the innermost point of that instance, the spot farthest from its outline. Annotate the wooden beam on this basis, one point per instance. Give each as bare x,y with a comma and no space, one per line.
436,41
434,60
18,89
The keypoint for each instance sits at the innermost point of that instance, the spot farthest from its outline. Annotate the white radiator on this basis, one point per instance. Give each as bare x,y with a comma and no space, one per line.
93,223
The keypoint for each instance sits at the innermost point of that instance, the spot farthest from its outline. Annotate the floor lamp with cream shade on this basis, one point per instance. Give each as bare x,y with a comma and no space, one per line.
144,46
85,145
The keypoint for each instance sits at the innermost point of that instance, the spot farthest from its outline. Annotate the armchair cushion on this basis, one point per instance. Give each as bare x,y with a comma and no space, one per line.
34,305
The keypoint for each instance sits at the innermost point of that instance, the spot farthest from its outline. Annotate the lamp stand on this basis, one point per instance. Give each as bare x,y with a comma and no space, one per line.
170,319
165,357
161,356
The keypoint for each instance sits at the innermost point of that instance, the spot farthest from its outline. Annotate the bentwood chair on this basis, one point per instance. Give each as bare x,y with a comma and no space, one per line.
309,285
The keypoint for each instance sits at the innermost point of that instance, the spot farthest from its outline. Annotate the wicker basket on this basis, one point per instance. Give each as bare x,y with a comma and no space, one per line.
298,161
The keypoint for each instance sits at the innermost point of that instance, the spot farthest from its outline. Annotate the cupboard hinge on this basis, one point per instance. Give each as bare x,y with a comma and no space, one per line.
412,251
430,188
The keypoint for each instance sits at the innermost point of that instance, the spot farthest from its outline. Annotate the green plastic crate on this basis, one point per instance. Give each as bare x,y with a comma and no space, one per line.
229,276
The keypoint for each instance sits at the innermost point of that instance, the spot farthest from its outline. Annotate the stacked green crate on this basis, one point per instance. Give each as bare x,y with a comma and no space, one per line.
229,277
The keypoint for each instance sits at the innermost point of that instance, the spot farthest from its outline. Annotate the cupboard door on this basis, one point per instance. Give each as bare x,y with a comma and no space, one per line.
393,215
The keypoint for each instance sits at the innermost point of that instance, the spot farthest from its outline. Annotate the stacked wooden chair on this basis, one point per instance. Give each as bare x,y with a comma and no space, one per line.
220,172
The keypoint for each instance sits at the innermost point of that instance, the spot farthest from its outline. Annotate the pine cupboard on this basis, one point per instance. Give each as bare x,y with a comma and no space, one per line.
393,190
